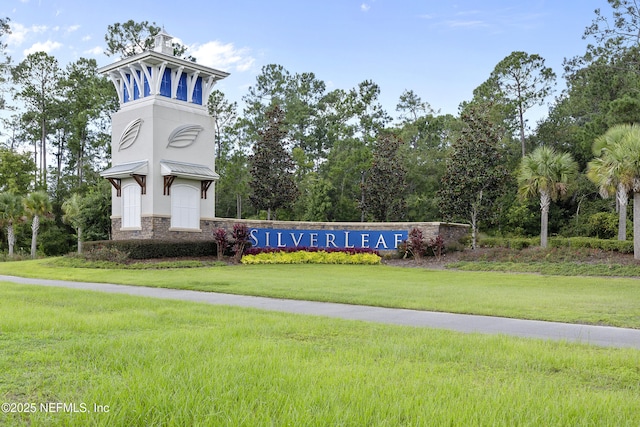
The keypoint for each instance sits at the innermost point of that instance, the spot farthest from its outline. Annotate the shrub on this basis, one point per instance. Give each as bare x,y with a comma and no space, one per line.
105,253
437,246
145,249
318,257
241,242
624,247
603,225
560,242
509,242
415,244
352,251
222,243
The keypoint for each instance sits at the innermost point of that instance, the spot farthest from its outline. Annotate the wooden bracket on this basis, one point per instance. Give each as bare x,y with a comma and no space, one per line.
204,187
142,182
168,180
116,184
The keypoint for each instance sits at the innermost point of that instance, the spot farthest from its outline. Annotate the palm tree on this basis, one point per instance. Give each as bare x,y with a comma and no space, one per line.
72,209
610,173
36,205
627,163
547,174
10,212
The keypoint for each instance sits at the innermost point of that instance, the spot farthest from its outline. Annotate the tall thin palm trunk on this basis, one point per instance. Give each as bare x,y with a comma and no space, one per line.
11,238
79,231
623,201
636,225
545,202
35,226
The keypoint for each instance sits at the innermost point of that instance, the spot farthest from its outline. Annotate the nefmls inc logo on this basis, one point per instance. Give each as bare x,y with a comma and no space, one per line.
328,239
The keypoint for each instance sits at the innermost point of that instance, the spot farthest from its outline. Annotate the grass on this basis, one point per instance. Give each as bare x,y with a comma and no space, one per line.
173,363
588,300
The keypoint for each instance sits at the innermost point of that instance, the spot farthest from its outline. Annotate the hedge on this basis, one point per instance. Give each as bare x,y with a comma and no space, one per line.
518,243
143,249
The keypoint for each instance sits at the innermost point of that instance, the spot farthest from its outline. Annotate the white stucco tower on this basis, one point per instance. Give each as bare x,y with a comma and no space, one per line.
162,146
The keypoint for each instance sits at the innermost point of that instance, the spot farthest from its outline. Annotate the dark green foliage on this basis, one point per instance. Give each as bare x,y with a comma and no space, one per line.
603,225
108,253
143,249
272,182
623,110
17,171
625,247
427,144
55,239
520,218
509,242
317,201
476,171
96,209
385,182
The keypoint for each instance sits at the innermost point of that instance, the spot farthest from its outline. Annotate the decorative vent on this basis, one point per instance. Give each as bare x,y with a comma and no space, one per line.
130,134
184,136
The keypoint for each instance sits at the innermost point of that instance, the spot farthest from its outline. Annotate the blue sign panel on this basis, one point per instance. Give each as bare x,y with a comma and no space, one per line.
380,240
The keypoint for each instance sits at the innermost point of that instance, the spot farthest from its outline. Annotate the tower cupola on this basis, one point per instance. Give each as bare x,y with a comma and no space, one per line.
162,43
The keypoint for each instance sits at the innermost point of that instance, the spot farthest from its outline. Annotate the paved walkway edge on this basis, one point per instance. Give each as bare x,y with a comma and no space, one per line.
596,335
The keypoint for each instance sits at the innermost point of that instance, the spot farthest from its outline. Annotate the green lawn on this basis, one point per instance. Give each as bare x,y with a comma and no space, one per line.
588,300
170,363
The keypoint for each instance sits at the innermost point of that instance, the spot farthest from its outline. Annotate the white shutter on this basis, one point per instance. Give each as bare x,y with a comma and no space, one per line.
131,206
185,207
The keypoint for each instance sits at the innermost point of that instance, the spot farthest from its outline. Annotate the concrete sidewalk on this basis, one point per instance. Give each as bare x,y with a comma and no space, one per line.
596,335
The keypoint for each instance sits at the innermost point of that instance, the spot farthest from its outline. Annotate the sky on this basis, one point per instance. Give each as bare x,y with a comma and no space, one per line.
440,49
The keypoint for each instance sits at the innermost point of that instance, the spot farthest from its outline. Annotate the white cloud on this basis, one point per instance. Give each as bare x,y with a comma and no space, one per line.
86,38
94,51
72,29
47,47
221,56
19,33
365,7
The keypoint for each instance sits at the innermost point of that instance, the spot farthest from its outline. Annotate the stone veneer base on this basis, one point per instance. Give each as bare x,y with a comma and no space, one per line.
158,228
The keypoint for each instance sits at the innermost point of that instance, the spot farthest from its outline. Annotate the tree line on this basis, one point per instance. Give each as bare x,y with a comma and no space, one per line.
298,151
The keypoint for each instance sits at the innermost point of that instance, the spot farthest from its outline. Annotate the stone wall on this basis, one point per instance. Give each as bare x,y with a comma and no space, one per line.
159,228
